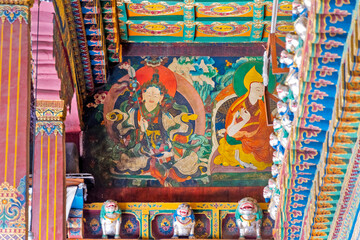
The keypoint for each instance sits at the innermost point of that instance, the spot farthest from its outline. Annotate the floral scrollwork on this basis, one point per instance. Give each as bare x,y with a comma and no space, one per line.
12,212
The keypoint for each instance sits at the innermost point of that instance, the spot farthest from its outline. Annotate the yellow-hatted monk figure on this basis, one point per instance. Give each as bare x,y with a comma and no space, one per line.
246,141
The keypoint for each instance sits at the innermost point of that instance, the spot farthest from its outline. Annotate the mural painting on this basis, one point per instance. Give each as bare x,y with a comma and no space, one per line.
181,121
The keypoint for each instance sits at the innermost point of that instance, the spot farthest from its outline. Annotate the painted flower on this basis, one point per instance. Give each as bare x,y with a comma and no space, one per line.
100,98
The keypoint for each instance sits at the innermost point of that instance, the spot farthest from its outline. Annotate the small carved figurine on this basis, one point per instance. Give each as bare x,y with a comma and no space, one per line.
248,217
292,42
278,157
110,218
283,92
298,9
274,203
275,170
184,221
300,26
267,193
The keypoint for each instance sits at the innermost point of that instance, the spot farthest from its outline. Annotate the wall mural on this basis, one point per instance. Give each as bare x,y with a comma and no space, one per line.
181,121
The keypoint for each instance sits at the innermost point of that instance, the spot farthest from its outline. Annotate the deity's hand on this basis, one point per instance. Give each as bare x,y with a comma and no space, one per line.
245,114
143,124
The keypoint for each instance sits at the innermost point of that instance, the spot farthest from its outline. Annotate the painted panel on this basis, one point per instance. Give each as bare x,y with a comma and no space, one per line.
153,9
224,10
184,121
155,29
223,30
285,9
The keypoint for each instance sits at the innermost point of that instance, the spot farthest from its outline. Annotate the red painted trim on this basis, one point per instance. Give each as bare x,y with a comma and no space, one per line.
176,194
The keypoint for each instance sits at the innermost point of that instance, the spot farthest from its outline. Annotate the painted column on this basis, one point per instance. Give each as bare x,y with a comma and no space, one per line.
49,193
15,117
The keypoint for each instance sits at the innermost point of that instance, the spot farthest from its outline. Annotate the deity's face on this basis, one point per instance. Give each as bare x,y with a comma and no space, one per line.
152,96
111,206
257,90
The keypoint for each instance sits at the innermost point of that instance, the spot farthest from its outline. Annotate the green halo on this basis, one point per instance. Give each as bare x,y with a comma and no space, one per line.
243,69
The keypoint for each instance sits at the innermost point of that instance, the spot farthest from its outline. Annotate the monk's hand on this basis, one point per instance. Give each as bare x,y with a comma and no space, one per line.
245,114
235,117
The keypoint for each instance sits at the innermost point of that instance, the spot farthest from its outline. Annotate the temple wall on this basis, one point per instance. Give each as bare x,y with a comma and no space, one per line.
179,159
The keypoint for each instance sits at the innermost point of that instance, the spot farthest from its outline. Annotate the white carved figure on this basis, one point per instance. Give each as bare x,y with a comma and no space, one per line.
286,122
292,78
298,58
249,217
278,157
274,141
110,218
292,42
282,107
272,183
267,193
307,4
300,26
286,59
293,105
277,126
283,138
274,203
295,90
184,221
298,9
283,92
275,170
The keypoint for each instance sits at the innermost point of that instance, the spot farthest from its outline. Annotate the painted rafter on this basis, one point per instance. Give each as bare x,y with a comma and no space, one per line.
320,155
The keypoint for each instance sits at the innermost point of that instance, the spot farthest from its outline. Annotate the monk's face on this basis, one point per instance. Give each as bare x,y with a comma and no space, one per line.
257,90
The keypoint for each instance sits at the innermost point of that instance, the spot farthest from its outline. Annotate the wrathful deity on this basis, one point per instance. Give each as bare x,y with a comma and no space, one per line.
249,217
110,218
184,221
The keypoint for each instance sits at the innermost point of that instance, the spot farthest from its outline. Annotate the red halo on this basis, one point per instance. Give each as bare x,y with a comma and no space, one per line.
166,77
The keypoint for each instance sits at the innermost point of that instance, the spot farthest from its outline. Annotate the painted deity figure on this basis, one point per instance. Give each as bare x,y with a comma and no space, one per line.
246,141
151,123
184,221
110,218
249,217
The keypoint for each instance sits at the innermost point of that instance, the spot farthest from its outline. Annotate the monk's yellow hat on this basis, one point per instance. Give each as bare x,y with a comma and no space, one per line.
252,76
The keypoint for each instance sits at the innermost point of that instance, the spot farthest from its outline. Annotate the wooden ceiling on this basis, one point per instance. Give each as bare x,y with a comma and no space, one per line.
102,26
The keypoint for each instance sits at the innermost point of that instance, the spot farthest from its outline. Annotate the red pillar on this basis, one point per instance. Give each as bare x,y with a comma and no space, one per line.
15,117
49,192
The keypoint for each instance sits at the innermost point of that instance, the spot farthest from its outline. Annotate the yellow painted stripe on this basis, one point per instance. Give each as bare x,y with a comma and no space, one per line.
1,53
17,104
55,207
8,104
41,167
48,189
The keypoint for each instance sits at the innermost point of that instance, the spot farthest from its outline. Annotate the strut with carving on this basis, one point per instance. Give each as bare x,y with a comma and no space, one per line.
248,218
110,218
184,221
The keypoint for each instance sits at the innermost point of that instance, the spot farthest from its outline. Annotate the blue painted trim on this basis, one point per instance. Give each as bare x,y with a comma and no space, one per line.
354,224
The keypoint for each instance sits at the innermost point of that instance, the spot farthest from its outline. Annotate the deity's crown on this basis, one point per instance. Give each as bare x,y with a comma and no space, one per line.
252,76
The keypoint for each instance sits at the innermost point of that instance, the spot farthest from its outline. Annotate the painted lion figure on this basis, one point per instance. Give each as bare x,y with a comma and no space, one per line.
184,221
110,218
248,218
